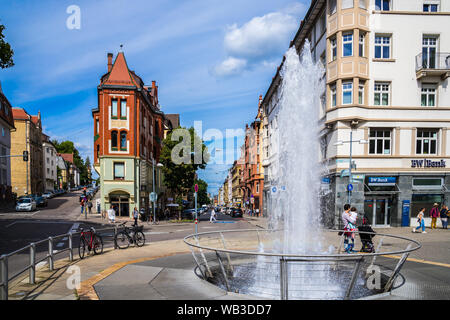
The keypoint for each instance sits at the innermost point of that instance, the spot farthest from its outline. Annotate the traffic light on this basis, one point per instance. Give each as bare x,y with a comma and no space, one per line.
25,156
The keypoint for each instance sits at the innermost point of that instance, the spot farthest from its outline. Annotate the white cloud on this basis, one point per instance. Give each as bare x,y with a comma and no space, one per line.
229,67
259,42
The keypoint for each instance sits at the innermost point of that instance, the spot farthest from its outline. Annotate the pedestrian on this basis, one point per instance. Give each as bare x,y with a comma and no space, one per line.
166,214
82,205
349,219
213,216
111,215
421,221
434,214
89,204
257,212
135,216
444,216
98,205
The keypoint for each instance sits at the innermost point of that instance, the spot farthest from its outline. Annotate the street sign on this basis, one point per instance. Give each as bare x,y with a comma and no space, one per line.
196,187
274,189
349,187
153,197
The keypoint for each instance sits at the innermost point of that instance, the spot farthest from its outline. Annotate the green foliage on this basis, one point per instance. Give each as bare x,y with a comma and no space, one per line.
179,177
69,147
6,53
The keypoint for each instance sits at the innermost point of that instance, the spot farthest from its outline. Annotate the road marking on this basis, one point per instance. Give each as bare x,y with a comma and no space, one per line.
11,224
420,261
156,232
74,227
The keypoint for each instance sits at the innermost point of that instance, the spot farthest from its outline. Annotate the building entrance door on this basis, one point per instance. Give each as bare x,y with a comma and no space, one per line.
121,203
378,210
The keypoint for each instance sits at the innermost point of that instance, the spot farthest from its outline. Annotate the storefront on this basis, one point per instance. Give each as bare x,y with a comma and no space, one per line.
120,203
380,199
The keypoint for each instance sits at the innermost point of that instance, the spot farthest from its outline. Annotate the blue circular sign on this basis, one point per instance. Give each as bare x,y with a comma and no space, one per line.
350,187
274,189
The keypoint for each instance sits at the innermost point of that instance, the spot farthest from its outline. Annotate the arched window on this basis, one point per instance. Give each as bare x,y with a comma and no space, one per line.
114,139
123,140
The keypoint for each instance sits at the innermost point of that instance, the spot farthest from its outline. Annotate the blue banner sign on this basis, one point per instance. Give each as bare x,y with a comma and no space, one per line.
326,180
382,181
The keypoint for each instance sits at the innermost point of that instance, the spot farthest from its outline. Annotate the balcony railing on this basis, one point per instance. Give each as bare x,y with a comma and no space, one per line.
435,64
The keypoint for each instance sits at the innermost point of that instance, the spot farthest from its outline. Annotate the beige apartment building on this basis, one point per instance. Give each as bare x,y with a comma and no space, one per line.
386,70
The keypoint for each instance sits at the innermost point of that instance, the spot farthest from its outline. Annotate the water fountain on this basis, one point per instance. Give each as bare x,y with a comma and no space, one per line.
296,258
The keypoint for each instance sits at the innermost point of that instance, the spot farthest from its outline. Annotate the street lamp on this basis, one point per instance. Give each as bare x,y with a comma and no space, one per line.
154,193
340,143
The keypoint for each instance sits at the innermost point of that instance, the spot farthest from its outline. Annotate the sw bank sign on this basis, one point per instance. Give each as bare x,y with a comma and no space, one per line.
427,164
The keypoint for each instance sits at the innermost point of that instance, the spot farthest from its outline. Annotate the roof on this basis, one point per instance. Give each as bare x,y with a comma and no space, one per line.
67,157
20,114
174,118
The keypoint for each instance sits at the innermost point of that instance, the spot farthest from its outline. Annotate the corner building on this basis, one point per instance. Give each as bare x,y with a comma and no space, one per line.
386,71
128,131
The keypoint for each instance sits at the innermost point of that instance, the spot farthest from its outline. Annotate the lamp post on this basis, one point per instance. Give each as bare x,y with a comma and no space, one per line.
154,193
350,166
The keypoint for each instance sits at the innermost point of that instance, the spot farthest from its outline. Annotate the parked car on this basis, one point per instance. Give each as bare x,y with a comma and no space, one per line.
188,214
48,195
26,204
40,200
236,213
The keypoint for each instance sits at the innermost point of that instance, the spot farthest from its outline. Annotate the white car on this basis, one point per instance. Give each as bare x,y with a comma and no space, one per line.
26,204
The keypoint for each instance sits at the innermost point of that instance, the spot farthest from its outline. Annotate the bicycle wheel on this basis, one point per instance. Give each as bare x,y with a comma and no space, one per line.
139,238
82,248
98,244
121,240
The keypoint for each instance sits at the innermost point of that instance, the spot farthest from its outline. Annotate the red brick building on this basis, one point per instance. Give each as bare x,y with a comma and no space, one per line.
128,132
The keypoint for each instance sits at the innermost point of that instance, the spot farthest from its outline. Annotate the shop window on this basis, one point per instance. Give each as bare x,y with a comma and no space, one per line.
427,183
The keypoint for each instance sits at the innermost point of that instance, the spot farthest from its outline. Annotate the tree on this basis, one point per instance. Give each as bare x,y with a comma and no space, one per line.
6,53
181,177
202,194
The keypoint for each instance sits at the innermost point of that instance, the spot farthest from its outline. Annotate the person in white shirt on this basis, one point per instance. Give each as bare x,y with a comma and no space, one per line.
349,217
213,216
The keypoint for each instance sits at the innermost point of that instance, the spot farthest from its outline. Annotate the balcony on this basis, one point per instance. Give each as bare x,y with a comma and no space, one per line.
433,65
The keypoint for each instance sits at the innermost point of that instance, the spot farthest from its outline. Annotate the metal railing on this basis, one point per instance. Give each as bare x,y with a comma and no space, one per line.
218,257
5,279
436,61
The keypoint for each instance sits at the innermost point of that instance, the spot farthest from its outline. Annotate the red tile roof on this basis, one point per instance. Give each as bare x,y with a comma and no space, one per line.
67,157
20,114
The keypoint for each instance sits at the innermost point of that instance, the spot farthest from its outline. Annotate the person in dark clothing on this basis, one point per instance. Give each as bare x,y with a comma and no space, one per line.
366,238
444,216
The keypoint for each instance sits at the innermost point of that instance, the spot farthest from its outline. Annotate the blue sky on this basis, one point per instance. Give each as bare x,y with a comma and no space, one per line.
211,59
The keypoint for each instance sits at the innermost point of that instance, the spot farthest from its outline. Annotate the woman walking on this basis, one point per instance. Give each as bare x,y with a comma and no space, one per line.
421,221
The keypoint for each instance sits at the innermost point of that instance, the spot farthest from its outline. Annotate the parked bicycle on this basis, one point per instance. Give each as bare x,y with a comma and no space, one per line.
90,240
128,235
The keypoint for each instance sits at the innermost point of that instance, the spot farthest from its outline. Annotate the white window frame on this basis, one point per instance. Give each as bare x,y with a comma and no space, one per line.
428,90
333,46
383,138
333,95
363,4
430,3
427,140
385,40
380,89
347,86
123,108
361,90
346,42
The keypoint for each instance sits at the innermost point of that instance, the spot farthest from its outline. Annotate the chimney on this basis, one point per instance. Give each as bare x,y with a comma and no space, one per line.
153,84
260,99
110,57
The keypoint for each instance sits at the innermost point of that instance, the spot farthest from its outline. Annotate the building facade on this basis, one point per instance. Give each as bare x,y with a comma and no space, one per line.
27,177
50,163
128,131
236,192
386,73
6,127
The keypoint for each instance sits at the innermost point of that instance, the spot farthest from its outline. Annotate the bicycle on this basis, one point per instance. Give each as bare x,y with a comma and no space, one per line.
90,240
124,238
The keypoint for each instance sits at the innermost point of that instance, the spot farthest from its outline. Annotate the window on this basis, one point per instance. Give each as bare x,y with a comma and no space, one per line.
123,140
257,188
380,141
333,46
114,139
428,96
347,92
429,48
323,24
48,171
3,132
346,4
426,142
382,47
119,171
362,4
114,108
361,93
361,44
381,94
347,44
98,151
332,7
428,7
123,109
97,126
383,5
333,95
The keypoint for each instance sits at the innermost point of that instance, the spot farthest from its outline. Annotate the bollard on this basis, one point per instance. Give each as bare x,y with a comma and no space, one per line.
70,247
115,234
32,274
50,253
4,277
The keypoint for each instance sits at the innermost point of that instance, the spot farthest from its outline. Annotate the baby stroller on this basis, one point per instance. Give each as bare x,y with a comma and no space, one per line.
366,239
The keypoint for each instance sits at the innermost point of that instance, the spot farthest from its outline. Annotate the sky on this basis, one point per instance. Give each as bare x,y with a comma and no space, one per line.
211,60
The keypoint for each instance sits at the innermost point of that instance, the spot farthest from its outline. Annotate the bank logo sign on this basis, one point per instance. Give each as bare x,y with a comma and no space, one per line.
425,163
